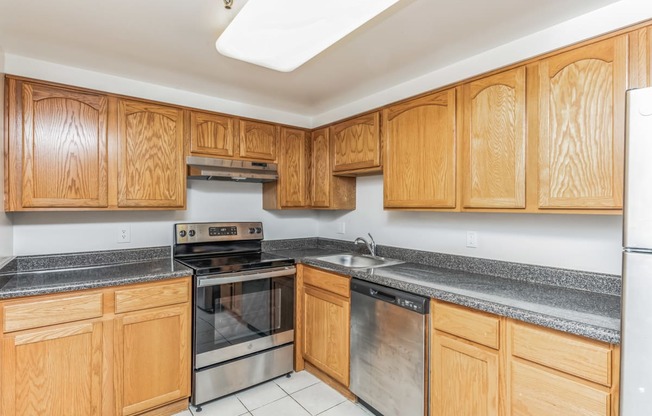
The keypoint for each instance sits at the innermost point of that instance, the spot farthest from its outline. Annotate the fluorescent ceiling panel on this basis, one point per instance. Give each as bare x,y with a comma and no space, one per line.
284,34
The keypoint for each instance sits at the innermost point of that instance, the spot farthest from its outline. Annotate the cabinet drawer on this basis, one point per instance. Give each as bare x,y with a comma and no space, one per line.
330,282
478,327
151,296
560,351
539,392
51,311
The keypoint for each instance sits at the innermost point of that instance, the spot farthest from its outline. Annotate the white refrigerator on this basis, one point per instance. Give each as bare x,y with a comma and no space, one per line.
636,320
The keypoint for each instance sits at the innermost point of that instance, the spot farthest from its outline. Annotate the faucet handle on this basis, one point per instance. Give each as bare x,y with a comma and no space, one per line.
372,239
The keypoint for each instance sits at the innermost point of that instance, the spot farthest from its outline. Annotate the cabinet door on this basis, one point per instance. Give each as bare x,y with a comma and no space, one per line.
494,141
326,332
293,169
420,152
356,143
258,140
211,134
151,167
464,378
320,175
64,148
536,391
53,371
152,358
581,126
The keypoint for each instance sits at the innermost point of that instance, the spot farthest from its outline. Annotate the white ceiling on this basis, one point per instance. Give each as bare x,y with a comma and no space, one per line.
172,43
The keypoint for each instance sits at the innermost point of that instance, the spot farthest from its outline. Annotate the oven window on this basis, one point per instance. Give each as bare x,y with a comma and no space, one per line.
236,313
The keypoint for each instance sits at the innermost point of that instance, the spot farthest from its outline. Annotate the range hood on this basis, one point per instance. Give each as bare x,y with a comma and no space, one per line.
209,168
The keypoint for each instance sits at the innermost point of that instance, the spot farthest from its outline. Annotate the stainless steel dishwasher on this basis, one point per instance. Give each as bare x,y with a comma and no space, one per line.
388,349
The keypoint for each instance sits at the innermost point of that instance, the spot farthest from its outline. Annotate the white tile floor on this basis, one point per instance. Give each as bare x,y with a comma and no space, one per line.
300,395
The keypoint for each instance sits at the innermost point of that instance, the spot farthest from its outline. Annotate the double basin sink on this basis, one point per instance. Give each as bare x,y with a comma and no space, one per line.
358,261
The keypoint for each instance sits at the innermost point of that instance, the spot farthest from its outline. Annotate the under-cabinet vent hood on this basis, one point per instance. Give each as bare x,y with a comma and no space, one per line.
209,168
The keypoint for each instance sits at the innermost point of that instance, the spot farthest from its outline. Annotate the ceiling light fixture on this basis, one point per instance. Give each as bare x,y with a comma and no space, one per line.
284,34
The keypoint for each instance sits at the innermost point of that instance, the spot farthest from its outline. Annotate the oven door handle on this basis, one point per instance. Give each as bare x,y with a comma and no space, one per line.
246,276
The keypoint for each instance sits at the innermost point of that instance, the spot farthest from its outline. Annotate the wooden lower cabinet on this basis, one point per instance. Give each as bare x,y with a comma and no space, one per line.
53,371
511,368
152,353
83,359
537,391
323,330
467,377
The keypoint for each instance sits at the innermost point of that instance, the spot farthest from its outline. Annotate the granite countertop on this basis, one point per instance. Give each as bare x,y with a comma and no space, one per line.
40,275
591,314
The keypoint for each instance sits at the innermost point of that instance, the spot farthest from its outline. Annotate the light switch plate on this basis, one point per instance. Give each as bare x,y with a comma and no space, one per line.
472,239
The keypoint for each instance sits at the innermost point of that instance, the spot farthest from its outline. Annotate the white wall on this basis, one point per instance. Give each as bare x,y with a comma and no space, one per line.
6,230
60,232
615,16
48,71
584,242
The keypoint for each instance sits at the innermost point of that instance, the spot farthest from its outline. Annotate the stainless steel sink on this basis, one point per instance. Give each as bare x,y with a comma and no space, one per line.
354,261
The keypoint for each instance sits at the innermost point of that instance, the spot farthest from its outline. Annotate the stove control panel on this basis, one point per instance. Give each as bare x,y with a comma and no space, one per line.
204,232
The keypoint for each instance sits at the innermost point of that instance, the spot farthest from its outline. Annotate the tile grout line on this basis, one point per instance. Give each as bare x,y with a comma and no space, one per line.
300,405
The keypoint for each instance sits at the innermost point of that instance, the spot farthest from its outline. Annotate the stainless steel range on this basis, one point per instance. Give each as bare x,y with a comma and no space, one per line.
243,321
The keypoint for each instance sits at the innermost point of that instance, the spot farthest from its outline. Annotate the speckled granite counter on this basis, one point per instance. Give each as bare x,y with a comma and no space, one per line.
579,311
40,275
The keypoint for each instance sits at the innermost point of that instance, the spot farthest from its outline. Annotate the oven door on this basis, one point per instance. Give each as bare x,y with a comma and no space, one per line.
238,314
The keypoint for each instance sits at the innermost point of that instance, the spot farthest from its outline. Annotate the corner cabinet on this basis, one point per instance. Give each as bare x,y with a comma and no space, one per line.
581,103
151,166
420,152
75,149
57,154
305,176
114,351
494,141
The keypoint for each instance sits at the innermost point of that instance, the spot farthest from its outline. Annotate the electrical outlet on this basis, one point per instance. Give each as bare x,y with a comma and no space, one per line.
472,239
341,228
124,234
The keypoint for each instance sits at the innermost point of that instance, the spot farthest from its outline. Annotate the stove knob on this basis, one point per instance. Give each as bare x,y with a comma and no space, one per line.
252,230
182,233
191,233
259,230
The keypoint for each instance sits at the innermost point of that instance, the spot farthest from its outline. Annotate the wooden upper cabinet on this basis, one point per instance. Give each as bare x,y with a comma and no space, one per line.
293,169
356,144
320,169
494,141
581,126
420,152
151,166
258,140
211,134
64,147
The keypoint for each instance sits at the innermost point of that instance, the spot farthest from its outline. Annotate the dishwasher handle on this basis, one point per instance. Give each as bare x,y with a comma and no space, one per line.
381,295
405,300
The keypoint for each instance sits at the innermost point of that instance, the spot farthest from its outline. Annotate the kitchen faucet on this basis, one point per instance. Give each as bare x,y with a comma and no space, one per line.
371,244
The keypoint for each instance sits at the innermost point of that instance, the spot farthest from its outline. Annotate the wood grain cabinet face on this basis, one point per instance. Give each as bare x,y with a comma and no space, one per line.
53,371
293,168
420,152
151,165
325,338
356,144
464,377
64,149
211,134
258,140
494,141
320,169
152,350
581,126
